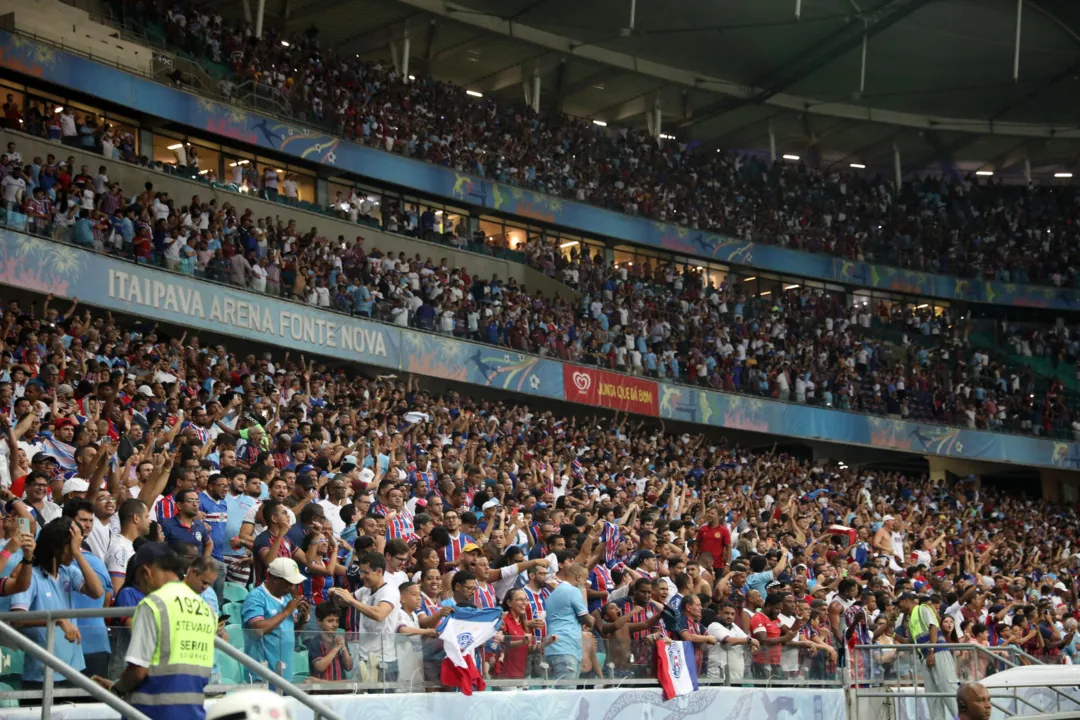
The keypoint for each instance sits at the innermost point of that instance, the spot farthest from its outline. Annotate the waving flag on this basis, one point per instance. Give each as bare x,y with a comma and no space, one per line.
611,536
676,668
63,453
463,633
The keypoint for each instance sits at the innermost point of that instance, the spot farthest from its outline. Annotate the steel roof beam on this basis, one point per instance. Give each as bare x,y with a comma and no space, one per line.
515,74
677,76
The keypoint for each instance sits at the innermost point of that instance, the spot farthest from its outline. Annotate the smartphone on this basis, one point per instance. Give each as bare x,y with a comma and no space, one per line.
24,525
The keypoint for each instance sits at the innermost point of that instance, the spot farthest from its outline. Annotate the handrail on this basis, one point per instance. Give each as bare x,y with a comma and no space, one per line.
76,678
999,656
84,683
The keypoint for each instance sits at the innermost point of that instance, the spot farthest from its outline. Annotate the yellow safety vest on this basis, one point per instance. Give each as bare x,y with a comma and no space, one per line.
918,627
184,657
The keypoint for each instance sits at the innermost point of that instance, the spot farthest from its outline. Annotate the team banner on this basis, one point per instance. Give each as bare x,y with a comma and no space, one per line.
611,390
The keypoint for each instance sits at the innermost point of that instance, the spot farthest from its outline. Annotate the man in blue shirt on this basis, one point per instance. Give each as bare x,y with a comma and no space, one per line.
95,636
183,527
566,612
270,613
247,493
216,513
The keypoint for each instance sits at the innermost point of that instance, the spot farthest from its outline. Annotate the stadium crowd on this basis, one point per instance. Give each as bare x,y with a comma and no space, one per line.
968,228
335,499
655,320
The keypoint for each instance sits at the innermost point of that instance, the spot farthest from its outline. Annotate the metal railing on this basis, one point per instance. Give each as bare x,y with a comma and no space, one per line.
53,664
895,673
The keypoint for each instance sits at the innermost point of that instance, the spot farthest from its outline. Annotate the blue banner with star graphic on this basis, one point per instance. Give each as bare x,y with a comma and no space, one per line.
38,60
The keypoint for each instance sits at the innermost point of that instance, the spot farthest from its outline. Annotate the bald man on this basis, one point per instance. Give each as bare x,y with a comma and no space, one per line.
973,702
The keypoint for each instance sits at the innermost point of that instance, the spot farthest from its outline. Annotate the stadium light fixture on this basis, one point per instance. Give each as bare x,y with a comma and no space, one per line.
1063,175
790,287
59,109
474,93
177,146
791,157
284,43
412,77
752,277
858,166
601,123
572,243
984,173
665,136
766,293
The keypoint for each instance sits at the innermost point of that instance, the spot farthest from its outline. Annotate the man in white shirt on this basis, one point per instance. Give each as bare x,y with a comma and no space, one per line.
376,603
729,653
332,504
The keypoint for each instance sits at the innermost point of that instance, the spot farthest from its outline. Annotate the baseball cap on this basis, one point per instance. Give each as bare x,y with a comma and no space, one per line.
41,457
65,422
145,390
367,475
75,484
492,503
471,547
907,596
887,518
1060,586
286,569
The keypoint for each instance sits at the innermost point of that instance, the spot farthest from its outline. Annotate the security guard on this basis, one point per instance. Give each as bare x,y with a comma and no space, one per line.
936,667
172,641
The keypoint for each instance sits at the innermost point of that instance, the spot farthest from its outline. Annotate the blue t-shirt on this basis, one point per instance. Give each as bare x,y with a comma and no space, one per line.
95,637
217,514
564,606
196,534
50,593
237,508
129,596
274,648
758,581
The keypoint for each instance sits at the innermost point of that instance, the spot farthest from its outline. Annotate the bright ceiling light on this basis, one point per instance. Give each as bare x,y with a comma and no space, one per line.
572,243
474,93
412,77
858,166
791,157
601,123
984,172
664,136
177,146
285,43
1063,175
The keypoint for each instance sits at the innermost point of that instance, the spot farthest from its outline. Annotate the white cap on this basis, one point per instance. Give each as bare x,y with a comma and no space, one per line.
145,390
492,503
286,569
75,484
887,518
367,475
1060,586
350,459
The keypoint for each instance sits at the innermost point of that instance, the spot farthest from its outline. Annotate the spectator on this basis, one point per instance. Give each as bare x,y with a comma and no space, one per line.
61,570
271,614
566,612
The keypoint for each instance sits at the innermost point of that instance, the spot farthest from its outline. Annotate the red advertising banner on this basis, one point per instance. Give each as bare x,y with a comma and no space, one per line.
611,390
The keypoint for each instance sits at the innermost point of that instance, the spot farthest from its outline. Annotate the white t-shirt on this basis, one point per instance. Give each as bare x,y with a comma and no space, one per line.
375,638
333,514
249,517
408,648
789,654
100,535
119,552
721,652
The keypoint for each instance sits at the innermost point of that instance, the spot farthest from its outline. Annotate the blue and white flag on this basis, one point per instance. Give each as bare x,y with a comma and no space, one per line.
467,630
63,453
676,668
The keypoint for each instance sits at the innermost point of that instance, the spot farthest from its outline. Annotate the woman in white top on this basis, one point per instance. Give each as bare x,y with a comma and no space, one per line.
729,652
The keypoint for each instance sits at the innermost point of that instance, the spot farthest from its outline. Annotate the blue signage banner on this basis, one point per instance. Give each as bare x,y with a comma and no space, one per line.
42,61
486,365
43,266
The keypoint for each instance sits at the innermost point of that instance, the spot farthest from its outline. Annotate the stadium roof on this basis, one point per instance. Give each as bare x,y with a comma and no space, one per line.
938,81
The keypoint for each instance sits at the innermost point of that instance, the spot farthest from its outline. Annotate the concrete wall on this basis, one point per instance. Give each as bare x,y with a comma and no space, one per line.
72,28
132,178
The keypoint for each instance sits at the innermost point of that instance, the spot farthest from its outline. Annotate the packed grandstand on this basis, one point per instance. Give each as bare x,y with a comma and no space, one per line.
333,517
